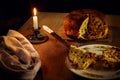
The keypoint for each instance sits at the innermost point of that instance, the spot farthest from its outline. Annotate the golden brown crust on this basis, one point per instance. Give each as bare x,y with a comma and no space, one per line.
74,19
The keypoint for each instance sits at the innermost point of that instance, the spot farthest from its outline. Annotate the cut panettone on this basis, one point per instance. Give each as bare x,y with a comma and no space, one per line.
111,58
81,58
112,54
103,58
86,24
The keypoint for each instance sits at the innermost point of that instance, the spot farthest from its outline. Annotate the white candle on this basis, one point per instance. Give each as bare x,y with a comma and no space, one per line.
35,19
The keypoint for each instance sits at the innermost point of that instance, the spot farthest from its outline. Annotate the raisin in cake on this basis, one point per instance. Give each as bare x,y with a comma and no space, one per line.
86,24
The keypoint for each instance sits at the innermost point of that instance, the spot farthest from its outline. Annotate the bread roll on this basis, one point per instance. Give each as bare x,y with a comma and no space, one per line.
95,27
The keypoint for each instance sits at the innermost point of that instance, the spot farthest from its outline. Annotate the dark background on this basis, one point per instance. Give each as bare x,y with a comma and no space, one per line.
14,13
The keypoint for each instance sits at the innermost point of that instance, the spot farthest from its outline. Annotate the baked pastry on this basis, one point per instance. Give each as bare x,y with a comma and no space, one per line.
86,24
111,58
81,58
112,54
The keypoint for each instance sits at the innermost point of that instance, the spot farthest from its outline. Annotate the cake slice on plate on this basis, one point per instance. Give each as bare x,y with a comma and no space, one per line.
81,58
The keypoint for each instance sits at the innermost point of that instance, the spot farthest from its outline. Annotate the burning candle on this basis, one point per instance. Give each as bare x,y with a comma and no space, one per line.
35,19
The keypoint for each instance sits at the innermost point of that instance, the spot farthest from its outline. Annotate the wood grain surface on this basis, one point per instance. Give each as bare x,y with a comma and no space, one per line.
53,53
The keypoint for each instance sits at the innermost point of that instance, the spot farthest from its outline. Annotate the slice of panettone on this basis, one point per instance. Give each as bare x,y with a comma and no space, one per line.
80,57
112,54
111,58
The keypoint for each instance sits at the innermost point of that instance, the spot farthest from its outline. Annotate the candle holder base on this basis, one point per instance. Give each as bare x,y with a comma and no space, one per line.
37,37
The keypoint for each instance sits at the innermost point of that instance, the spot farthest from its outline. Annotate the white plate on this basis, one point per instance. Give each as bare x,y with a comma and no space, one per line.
92,73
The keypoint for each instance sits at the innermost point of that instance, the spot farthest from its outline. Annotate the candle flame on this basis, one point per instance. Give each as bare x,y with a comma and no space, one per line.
35,11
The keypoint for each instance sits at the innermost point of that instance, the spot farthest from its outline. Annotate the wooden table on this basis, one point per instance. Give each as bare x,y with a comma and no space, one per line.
53,53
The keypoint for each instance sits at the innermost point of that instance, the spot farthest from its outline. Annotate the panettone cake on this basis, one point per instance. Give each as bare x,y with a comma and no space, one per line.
86,24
